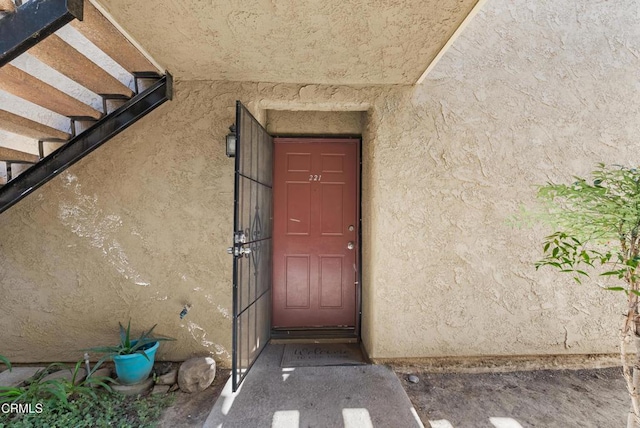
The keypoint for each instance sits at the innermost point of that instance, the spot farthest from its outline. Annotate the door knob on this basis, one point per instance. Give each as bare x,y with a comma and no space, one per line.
350,245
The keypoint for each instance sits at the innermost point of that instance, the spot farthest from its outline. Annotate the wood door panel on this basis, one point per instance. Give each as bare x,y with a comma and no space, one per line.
332,163
298,162
331,209
298,215
297,285
315,203
331,284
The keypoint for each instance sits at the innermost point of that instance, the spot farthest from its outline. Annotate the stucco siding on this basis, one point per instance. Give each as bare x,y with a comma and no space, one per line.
285,122
329,42
531,92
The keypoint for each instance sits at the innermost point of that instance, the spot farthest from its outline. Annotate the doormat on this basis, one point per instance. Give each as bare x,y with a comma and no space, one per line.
322,354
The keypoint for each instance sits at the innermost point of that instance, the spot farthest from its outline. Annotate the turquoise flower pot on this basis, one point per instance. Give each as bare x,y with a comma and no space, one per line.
135,368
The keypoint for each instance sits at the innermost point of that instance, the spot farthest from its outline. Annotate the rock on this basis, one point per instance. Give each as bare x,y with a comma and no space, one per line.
196,374
67,375
103,372
17,375
162,368
414,379
168,378
160,389
134,389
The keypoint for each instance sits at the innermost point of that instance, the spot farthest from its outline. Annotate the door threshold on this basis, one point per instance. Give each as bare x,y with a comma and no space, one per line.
284,341
314,335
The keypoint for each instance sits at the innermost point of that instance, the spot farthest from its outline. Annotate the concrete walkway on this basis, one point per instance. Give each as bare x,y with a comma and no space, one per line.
305,397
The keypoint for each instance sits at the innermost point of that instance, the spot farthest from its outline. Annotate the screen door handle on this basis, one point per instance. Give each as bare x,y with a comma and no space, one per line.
239,251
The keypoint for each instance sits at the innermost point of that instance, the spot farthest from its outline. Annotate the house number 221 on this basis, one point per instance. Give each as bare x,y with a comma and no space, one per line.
315,177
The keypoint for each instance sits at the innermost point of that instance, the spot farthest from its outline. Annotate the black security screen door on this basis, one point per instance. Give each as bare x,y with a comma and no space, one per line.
251,243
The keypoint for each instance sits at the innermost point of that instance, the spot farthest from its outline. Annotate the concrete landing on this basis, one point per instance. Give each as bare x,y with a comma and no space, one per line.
338,396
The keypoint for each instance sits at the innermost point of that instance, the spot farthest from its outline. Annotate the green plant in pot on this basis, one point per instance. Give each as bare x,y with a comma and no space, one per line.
133,358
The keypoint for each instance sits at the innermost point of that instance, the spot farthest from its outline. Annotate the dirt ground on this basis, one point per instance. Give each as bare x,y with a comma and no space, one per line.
545,398
191,410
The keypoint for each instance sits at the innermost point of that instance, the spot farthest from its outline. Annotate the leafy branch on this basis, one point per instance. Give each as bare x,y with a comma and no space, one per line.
597,223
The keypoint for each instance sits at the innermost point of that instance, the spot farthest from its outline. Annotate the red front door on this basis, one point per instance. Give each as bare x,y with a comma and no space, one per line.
315,232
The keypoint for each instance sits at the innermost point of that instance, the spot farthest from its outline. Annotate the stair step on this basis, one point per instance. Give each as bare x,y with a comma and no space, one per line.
16,156
83,143
24,85
29,128
105,36
61,56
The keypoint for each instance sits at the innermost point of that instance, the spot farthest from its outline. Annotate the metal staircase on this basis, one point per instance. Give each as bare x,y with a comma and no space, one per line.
29,27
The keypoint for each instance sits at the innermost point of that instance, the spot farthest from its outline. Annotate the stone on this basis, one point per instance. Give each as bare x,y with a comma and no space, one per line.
17,375
414,379
67,375
196,374
103,372
139,388
161,368
160,389
168,379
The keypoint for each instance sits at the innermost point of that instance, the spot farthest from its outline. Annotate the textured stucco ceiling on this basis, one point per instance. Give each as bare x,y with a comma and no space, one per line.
320,41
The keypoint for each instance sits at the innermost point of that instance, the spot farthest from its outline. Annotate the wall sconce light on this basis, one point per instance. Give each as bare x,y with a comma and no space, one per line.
231,142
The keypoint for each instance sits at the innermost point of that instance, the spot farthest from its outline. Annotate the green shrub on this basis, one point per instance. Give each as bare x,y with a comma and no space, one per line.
37,389
107,409
61,403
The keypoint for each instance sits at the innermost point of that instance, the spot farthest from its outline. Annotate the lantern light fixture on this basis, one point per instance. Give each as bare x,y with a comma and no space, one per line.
231,142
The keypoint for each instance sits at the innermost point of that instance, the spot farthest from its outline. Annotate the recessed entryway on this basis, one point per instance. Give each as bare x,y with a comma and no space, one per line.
297,223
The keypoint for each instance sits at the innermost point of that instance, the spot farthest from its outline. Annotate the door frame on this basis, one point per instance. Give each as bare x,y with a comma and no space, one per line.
327,333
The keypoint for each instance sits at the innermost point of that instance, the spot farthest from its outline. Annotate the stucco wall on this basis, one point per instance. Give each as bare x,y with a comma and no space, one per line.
329,41
530,92
286,122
